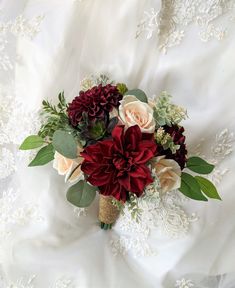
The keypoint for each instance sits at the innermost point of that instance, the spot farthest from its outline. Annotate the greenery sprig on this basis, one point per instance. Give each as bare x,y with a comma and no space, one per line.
166,113
55,118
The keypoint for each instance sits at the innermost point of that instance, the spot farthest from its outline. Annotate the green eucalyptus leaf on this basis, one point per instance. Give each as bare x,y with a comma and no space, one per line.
190,187
44,155
139,94
207,187
65,144
32,142
198,165
81,194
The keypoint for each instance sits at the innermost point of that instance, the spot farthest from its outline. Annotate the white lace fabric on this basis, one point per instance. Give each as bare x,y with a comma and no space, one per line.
51,46
171,23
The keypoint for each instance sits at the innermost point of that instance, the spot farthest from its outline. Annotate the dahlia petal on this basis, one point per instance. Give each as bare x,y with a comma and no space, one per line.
87,167
118,137
137,185
132,137
139,172
99,181
144,156
125,181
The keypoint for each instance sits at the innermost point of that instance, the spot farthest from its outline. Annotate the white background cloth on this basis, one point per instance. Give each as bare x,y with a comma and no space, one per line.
44,244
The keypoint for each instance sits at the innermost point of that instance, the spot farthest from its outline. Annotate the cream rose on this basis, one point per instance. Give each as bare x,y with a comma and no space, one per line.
67,167
134,112
168,171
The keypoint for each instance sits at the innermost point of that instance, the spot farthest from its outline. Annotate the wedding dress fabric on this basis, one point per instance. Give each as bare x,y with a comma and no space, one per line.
185,47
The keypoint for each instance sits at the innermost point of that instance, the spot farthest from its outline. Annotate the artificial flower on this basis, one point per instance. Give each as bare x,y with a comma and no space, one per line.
135,112
70,168
95,103
119,165
176,132
168,172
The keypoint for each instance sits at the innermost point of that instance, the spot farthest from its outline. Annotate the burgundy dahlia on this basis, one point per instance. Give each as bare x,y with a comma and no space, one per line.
118,165
180,156
95,102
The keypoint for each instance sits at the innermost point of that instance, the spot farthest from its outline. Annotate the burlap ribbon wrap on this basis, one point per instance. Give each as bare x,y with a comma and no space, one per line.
108,213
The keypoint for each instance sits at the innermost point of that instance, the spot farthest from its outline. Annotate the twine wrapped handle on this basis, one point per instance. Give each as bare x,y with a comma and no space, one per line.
108,213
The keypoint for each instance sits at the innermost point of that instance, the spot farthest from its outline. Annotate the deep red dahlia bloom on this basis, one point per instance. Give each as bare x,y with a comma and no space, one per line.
118,166
96,102
176,133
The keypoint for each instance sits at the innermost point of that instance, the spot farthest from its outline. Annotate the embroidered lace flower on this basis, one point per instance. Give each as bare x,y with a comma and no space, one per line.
12,213
23,283
184,283
63,282
171,22
164,214
13,114
31,282
19,27
221,148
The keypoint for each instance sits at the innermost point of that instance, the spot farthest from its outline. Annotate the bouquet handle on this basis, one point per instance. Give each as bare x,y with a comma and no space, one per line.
108,213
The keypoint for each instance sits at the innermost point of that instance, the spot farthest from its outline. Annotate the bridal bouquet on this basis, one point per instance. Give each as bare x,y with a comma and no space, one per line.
116,142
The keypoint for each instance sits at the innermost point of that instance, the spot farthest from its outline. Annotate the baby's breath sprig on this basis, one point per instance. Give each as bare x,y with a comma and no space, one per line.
165,139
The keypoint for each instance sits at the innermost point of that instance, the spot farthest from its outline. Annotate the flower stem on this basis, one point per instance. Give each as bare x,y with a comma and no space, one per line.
105,226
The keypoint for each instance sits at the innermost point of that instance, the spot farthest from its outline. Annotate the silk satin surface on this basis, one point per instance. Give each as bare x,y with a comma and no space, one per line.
79,38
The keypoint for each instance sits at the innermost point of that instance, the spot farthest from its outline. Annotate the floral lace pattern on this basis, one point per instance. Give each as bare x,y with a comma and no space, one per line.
63,282
13,114
184,283
14,214
164,213
23,283
19,27
171,22
80,211
167,213
7,163
31,282
204,281
220,149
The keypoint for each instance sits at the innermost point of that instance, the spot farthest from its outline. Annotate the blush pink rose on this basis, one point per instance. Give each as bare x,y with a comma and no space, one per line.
135,112
168,172
70,168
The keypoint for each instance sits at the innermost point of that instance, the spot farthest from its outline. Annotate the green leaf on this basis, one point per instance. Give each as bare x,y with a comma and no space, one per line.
44,155
65,144
207,187
139,94
32,142
198,165
81,194
190,188
61,98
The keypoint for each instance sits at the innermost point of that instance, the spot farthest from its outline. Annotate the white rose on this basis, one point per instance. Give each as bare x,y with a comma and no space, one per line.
135,112
67,167
168,171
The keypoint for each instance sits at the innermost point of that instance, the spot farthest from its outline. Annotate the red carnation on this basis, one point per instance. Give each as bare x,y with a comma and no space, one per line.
176,133
118,166
95,102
